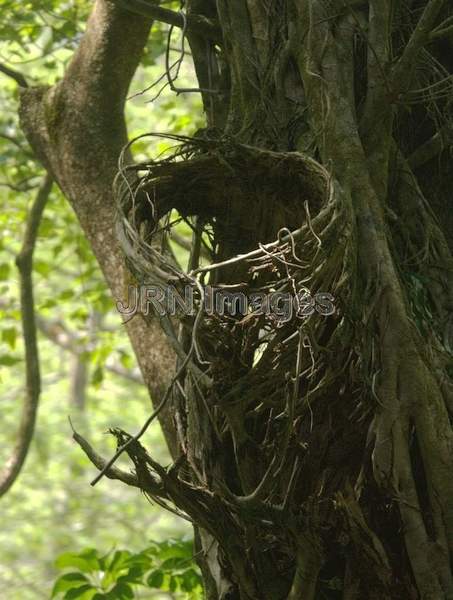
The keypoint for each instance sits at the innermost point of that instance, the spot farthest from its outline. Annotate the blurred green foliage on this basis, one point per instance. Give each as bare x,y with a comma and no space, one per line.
163,566
88,368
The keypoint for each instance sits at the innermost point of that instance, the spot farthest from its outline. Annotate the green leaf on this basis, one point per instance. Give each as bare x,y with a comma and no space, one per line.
156,579
42,267
141,561
118,561
6,360
79,592
67,294
121,591
98,376
190,580
126,360
86,561
80,314
175,548
175,562
134,574
67,582
49,303
5,269
9,335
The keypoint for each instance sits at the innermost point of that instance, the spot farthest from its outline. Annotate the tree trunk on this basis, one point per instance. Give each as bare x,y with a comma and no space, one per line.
315,453
77,129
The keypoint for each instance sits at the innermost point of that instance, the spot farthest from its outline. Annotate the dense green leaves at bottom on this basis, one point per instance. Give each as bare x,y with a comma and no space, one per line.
166,566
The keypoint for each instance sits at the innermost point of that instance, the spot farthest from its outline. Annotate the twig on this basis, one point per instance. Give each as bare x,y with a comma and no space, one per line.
16,142
101,463
18,77
196,23
444,29
171,79
440,33
24,263
154,490
163,402
254,253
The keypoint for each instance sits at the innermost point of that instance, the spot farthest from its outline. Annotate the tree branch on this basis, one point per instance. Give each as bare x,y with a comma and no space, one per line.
24,263
77,128
443,29
18,77
440,33
16,143
430,149
100,463
195,23
404,68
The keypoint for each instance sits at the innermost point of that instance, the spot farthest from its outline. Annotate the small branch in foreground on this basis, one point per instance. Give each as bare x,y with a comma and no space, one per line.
195,23
18,77
181,370
149,420
100,463
24,263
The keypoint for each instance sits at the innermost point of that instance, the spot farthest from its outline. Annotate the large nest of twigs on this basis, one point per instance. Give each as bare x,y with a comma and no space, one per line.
270,223
244,193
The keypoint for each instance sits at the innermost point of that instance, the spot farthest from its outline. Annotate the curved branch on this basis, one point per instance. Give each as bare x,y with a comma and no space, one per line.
18,77
195,23
99,462
24,263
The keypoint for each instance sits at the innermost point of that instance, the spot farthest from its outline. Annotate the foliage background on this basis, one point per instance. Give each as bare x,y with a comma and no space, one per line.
52,509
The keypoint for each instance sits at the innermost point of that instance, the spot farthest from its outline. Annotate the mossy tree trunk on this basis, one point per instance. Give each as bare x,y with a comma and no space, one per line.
323,469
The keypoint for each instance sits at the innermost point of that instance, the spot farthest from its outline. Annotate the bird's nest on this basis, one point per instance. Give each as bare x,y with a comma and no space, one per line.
249,388
243,195
292,235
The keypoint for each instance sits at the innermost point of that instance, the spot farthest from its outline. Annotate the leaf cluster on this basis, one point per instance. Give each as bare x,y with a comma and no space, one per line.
117,575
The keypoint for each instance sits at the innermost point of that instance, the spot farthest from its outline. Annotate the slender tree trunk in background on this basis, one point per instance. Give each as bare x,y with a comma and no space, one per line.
323,469
78,383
